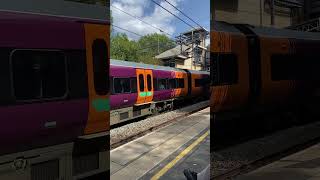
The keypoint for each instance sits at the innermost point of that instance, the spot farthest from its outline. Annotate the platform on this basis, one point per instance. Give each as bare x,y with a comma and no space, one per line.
165,153
304,165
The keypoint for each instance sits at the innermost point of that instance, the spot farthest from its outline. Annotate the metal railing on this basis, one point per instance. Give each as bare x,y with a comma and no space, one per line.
308,26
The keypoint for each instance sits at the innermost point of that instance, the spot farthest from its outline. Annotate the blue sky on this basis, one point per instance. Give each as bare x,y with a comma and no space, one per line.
198,10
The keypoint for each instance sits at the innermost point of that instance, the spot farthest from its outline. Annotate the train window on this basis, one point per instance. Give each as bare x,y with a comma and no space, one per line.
121,85
149,82
180,83
77,74
111,83
283,67
39,74
162,84
172,84
155,84
294,67
224,69
141,82
133,85
100,66
5,90
202,82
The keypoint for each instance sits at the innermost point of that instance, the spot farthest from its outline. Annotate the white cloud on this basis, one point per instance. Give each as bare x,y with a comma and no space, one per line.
156,16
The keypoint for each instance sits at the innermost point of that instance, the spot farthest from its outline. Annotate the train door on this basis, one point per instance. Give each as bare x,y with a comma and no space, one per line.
97,54
179,80
145,86
149,85
141,86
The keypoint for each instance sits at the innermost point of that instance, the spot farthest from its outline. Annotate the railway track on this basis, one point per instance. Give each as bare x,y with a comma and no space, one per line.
177,105
311,137
136,129
240,130
245,168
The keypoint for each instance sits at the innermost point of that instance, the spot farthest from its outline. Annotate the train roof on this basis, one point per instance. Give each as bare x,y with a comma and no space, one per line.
225,27
199,72
266,31
24,30
86,11
141,65
16,16
149,66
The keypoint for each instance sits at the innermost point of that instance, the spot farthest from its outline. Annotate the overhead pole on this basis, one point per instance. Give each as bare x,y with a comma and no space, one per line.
260,13
272,12
193,53
158,44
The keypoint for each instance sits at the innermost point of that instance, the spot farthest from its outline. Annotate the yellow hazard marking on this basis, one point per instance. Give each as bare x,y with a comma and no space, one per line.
180,156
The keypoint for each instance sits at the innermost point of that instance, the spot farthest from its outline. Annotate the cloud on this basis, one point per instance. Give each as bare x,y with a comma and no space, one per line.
148,12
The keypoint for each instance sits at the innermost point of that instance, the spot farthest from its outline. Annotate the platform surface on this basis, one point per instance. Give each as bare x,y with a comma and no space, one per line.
165,153
303,165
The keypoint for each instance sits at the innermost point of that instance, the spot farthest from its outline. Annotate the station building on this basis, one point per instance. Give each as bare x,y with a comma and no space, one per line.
191,53
258,12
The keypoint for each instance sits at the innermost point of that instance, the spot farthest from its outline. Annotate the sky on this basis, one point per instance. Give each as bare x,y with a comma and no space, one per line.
198,10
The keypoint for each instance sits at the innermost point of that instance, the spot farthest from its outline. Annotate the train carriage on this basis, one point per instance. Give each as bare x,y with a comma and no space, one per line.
54,96
140,89
258,70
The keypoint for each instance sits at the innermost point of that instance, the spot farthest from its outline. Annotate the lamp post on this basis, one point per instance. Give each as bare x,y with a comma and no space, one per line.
158,41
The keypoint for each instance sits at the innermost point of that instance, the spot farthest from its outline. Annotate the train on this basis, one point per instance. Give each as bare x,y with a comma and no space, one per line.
139,89
259,70
54,96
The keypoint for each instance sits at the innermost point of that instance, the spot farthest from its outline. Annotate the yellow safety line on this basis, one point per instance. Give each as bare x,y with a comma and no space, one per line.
180,156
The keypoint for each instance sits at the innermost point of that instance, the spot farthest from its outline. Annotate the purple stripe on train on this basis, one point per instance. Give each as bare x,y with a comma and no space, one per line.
32,125
120,71
122,100
162,94
127,100
19,31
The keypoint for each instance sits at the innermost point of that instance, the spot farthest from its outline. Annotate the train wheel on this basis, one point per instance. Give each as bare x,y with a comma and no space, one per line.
171,106
156,111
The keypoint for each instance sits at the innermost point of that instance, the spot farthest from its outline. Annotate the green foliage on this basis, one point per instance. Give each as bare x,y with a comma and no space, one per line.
144,50
122,48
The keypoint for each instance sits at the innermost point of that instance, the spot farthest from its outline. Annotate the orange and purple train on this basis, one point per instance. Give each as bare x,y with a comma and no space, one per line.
259,70
54,96
139,89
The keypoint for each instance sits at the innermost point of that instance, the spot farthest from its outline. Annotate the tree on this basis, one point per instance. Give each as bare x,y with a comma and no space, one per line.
122,48
151,45
144,50
153,41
